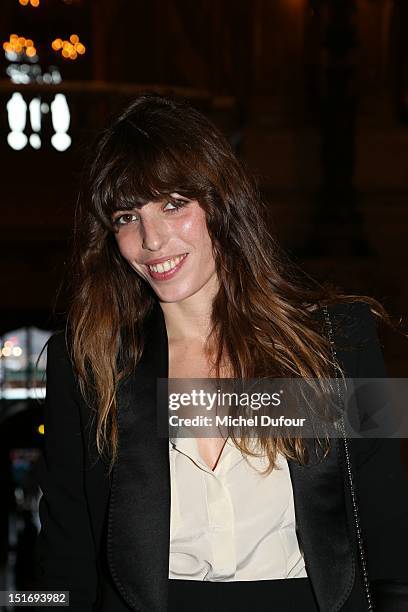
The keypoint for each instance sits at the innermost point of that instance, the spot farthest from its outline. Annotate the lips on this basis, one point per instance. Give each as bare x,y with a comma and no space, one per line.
166,274
152,262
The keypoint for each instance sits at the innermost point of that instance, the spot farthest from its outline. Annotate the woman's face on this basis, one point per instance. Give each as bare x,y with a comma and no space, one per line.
167,243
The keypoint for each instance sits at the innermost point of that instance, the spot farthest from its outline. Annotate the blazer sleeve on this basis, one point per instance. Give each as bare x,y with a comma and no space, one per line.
382,489
65,552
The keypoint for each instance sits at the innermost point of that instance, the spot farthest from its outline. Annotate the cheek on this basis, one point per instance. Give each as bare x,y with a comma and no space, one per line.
128,242
193,229
185,228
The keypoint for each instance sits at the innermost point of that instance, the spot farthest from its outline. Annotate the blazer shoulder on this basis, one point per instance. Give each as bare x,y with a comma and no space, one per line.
356,339
59,348
60,366
57,343
353,324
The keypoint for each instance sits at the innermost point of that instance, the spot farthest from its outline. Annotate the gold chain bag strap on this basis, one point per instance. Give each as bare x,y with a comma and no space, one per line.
349,469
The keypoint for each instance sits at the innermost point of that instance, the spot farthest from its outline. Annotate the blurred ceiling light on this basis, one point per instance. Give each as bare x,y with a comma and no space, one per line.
61,119
35,141
70,49
31,73
35,114
17,113
56,44
17,46
41,429
35,120
34,3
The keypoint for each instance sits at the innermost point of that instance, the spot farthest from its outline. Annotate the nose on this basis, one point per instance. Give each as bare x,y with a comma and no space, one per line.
153,234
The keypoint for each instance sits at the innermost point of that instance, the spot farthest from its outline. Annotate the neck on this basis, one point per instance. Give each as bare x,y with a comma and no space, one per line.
190,319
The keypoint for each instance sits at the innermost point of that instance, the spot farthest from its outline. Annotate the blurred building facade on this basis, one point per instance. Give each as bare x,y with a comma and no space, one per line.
312,93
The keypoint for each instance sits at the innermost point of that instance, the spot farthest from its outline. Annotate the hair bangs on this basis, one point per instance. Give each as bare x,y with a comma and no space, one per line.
145,169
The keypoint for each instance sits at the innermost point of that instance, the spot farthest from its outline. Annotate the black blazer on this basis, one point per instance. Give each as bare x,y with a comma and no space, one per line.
107,540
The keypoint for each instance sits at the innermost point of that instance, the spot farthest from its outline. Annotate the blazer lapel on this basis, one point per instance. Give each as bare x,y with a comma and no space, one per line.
319,499
139,506
320,491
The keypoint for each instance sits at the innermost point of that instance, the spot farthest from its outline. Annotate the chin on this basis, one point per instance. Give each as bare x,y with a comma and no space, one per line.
171,299
173,295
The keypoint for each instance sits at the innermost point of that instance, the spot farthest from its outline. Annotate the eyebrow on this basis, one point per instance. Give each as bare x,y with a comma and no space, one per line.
174,196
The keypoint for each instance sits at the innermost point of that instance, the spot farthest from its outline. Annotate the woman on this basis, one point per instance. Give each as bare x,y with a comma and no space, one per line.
177,276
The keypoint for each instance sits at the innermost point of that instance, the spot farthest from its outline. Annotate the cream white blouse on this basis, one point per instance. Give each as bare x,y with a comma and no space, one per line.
231,523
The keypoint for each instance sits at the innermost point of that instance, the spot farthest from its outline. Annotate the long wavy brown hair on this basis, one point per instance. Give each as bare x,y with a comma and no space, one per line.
262,316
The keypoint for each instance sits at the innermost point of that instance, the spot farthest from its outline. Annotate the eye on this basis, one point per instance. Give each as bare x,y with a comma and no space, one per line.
176,204
125,219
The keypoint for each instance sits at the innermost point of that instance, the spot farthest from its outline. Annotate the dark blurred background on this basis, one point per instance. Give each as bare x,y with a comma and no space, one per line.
313,96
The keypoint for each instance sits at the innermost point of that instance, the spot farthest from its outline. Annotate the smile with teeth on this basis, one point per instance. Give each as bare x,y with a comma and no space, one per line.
165,266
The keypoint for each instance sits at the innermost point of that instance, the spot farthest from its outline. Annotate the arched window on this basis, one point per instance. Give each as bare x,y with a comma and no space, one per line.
21,377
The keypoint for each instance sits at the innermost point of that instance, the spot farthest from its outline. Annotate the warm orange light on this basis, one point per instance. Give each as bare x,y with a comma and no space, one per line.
19,44
57,44
35,3
69,48
23,2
